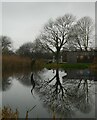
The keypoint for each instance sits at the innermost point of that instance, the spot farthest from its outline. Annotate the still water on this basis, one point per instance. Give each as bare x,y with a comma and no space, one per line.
63,93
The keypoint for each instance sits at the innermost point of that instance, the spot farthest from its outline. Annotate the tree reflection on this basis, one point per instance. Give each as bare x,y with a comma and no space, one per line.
65,95
59,93
24,79
6,83
78,94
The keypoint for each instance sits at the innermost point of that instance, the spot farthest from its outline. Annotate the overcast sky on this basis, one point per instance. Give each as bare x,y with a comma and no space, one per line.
23,21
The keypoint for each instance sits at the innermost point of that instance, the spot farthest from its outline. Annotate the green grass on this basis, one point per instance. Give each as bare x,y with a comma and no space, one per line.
68,66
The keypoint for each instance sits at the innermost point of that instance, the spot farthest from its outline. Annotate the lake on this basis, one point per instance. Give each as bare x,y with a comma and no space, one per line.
63,93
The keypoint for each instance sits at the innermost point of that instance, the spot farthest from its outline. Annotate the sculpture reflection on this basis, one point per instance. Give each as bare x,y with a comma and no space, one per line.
33,83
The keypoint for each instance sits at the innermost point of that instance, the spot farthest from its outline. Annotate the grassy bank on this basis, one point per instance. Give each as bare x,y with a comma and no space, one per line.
11,63
68,66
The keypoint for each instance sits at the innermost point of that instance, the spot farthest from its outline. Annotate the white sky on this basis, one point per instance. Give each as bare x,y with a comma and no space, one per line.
23,21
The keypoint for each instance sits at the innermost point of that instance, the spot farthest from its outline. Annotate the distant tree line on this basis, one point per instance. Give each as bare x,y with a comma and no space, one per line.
32,50
62,34
6,45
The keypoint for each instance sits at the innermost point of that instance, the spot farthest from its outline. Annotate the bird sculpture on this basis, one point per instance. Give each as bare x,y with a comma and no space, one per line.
33,83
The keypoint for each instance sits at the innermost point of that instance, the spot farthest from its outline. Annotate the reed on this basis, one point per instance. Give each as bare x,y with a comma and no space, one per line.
94,64
8,114
13,62
39,64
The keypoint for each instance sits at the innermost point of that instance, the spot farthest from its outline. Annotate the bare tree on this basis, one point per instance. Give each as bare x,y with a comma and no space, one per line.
81,36
6,44
55,33
39,51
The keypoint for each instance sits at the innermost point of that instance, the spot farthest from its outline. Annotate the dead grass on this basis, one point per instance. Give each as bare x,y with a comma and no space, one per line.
11,63
39,64
8,113
94,65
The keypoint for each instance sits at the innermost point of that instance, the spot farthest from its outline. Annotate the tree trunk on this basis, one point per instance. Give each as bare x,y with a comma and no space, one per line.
86,49
57,57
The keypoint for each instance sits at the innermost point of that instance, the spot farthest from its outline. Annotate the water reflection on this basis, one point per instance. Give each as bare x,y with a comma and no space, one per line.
33,83
66,93
65,96
6,83
24,79
84,74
